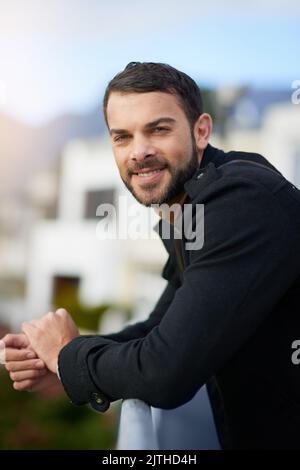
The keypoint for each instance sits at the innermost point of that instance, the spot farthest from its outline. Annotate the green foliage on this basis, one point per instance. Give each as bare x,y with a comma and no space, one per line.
85,317
36,421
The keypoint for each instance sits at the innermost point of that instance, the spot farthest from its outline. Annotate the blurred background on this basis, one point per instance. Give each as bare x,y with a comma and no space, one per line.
56,164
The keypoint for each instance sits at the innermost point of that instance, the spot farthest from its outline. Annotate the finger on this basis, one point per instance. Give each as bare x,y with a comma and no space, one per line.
29,330
62,312
27,374
30,385
12,355
25,385
15,340
24,365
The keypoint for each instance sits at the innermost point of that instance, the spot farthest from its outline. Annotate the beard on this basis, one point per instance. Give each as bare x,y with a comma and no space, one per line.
179,176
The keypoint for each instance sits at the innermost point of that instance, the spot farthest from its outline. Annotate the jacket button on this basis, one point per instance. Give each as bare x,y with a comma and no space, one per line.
97,398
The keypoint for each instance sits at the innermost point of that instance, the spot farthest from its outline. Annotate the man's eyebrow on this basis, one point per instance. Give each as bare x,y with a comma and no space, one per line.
159,121
149,125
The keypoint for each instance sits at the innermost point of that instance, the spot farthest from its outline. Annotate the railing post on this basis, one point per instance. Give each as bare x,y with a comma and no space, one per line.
136,429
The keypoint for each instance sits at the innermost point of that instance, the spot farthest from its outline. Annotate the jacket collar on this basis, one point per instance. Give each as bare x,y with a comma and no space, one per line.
211,159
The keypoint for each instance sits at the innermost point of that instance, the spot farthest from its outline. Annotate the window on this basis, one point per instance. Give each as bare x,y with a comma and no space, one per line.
65,291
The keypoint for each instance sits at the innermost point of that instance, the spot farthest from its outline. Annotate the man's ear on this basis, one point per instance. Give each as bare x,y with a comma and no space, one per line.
202,131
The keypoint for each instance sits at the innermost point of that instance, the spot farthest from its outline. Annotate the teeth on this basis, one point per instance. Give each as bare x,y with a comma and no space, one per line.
149,173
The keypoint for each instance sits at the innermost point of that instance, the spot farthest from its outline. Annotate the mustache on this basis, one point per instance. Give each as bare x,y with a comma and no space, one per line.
146,165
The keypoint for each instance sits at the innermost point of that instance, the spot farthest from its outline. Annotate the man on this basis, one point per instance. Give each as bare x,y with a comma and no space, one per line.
227,317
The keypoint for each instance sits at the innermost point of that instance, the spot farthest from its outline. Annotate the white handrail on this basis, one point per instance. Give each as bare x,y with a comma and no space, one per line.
136,429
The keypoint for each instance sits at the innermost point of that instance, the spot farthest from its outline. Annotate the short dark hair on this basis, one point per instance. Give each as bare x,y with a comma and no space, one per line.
143,77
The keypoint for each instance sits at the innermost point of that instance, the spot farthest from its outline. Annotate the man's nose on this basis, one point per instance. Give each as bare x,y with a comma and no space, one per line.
141,149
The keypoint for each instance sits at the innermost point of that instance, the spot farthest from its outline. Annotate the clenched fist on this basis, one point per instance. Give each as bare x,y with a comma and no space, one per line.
49,334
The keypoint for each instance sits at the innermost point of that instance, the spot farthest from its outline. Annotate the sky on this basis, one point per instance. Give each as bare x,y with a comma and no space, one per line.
57,57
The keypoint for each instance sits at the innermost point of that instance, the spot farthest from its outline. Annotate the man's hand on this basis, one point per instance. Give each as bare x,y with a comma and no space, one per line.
48,335
26,370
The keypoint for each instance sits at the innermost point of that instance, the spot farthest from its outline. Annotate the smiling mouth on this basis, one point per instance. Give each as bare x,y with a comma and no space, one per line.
148,172
148,178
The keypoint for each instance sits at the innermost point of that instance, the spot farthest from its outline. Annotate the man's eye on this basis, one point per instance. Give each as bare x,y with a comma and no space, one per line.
161,129
119,138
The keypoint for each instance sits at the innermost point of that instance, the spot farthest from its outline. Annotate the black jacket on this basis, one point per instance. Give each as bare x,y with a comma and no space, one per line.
229,320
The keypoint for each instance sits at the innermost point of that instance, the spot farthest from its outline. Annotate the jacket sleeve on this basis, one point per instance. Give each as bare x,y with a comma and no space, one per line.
228,289
98,399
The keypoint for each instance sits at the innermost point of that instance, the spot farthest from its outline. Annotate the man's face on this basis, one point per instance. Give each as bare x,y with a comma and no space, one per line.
152,144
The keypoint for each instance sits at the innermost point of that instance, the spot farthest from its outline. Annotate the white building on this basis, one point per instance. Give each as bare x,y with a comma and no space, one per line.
277,139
